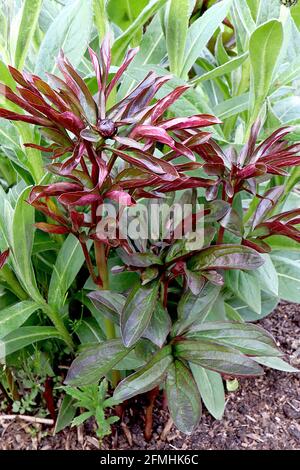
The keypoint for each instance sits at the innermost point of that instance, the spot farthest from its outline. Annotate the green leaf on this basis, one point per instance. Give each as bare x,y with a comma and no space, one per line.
267,276
26,336
268,304
30,14
276,363
89,331
216,357
146,378
201,31
211,388
177,23
70,31
66,413
137,312
100,17
288,271
122,42
231,65
183,398
68,263
225,257
108,303
22,242
194,308
96,361
14,316
249,339
264,48
159,326
245,287
231,107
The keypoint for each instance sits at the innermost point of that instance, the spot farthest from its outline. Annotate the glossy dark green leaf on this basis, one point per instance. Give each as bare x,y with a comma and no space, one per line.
146,378
225,257
140,260
194,308
159,326
183,397
108,303
137,312
216,357
247,338
96,361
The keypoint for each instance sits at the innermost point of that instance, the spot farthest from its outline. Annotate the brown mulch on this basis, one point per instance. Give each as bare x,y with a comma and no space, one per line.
263,414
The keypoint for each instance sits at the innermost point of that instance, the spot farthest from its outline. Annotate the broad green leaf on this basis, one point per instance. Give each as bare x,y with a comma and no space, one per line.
267,10
201,31
14,316
96,361
245,287
67,33
6,77
122,42
146,378
177,22
22,242
183,398
26,336
288,271
194,308
30,14
216,357
224,69
159,326
278,243
268,304
138,311
68,263
249,339
225,257
276,363
264,48
67,412
211,388
267,276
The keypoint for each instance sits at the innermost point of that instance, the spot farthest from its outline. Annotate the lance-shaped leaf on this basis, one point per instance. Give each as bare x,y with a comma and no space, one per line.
200,120
26,336
108,303
14,316
194,308
267,203
140,260
183,397
95,362
247,338
52,228
146,378
225,257
159,326
138,311
216,357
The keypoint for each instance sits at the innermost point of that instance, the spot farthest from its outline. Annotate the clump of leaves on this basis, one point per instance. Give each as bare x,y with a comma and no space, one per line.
93,398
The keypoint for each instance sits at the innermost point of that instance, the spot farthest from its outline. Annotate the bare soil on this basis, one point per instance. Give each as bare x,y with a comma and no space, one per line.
263,414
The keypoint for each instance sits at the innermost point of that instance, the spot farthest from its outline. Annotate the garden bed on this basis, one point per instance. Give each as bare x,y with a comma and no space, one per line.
263,414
